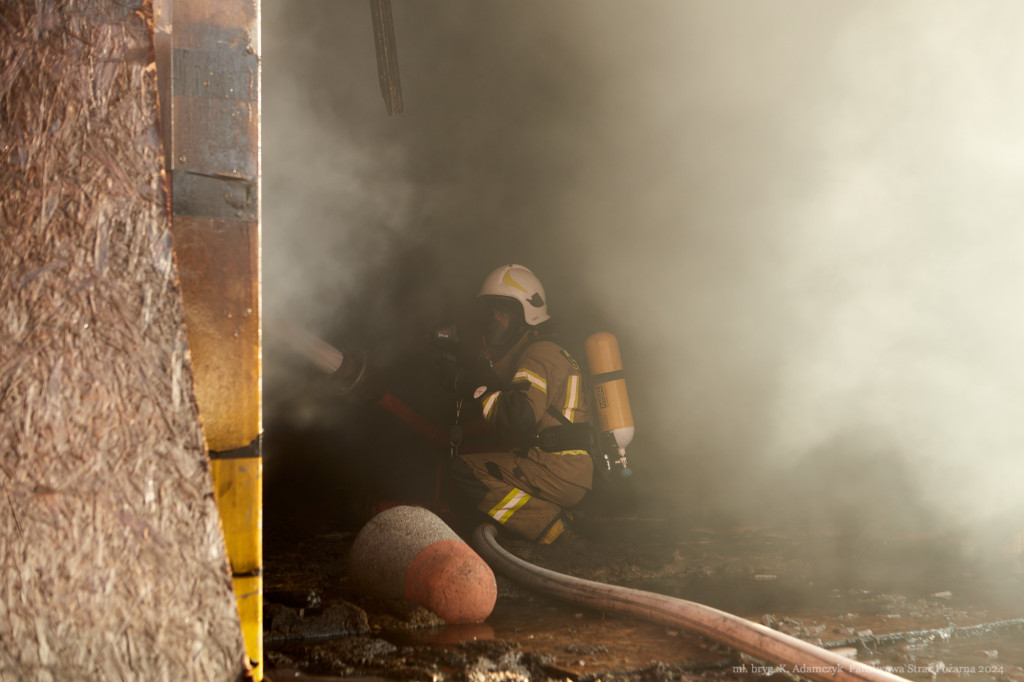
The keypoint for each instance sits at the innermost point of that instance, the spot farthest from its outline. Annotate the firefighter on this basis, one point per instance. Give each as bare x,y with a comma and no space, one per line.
530,390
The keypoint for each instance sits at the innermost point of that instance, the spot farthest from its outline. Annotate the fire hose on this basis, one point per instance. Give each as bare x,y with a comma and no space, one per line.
792,654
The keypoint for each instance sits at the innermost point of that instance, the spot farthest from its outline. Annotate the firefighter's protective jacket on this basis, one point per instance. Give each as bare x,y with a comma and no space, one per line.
527,490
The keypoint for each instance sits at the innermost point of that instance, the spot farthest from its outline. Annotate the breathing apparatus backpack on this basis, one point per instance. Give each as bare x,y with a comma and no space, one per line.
607,391
610,429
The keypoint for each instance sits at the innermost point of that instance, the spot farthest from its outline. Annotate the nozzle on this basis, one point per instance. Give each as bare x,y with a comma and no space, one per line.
351,372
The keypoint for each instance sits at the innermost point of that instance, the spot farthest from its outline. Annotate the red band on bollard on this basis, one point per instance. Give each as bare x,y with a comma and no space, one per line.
451,580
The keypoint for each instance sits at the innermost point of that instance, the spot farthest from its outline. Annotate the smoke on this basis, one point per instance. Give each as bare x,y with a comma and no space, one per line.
904,248
799,218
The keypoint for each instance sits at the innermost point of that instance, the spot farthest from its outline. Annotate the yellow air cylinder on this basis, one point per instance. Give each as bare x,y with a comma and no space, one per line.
609,383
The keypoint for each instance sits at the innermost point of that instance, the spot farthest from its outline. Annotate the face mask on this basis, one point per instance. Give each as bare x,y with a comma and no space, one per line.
503,324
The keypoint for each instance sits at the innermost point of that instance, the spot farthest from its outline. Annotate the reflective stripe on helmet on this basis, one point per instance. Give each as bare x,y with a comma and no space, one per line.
506,278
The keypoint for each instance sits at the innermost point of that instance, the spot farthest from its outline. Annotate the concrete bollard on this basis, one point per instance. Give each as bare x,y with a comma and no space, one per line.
409,552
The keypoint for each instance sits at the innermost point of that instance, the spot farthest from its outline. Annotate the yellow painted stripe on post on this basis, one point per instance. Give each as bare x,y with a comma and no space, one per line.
238,486
249,593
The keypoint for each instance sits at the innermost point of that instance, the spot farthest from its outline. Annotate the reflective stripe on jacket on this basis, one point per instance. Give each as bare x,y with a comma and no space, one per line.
546,376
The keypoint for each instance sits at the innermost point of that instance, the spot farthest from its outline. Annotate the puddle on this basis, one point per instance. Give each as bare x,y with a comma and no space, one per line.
994,652
578,643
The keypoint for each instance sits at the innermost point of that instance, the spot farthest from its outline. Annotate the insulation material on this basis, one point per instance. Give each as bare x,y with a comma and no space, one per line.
112,560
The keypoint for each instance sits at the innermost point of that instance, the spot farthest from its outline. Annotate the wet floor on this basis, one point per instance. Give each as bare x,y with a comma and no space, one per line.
916,637
931,618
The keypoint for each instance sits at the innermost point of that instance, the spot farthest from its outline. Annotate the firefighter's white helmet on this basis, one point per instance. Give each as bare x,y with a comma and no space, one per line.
516,281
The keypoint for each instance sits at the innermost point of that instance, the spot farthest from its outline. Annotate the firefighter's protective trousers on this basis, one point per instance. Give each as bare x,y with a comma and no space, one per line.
527,490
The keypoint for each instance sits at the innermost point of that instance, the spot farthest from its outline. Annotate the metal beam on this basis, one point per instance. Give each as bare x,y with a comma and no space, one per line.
211,111
387,55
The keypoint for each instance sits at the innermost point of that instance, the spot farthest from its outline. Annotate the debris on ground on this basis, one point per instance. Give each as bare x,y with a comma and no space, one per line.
865,607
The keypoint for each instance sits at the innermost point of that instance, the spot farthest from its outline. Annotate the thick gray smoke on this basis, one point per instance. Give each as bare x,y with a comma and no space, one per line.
800,218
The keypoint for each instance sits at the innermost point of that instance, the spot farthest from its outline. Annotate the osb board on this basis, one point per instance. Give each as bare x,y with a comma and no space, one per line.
112,563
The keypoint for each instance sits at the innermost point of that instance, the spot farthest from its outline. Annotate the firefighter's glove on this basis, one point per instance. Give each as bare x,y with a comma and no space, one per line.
469,378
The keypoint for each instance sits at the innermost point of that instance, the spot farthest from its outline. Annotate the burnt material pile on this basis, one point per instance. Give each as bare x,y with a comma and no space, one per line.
112,563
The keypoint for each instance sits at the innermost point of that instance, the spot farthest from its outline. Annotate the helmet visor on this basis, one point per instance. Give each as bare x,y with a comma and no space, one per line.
502,321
